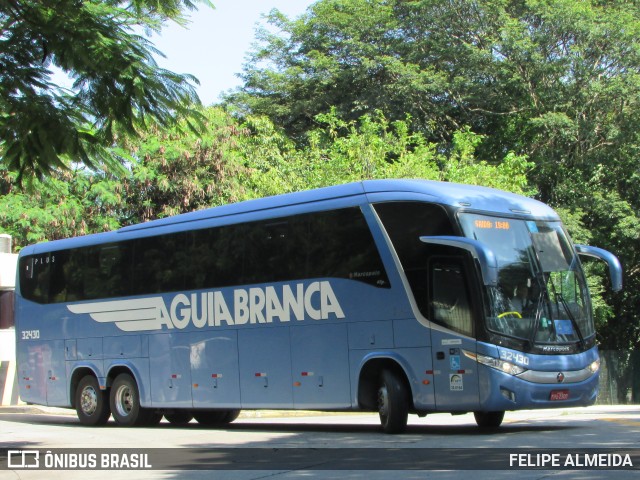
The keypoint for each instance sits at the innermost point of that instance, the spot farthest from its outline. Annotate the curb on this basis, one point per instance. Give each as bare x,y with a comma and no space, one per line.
36,410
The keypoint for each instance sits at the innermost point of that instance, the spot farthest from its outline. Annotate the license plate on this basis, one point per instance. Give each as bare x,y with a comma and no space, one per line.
559,395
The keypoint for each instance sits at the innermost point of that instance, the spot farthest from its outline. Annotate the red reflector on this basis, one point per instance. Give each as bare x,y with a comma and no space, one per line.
559,395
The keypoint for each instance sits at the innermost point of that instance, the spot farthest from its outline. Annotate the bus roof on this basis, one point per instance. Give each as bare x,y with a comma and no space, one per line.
468,197
445,193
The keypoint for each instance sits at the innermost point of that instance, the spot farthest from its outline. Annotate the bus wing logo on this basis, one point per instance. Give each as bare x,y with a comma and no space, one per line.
128,315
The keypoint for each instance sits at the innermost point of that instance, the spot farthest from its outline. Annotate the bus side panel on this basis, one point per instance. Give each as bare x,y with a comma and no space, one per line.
456,376
265,367
419,368
32,371
170,370
214,369
414,362
320,354
56,371
42,373
413,342
89,348
405,343
368,335
122,346
139,368
40,351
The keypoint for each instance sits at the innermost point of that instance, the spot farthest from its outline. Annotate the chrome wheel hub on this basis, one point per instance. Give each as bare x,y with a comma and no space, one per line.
124,400
89,400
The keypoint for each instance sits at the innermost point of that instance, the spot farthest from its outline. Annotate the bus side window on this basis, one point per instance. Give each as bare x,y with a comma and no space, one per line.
340,244
158,264
450,304
67,277
34,278
405,223
107,273
267,252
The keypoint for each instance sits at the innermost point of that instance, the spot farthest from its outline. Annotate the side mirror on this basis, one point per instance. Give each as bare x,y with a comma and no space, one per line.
480,252
615,269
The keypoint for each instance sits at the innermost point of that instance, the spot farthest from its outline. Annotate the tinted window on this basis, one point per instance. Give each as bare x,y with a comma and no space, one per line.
336,243
451,306
34,277
326,244
108,270
218,257
405,223
67,276
159,264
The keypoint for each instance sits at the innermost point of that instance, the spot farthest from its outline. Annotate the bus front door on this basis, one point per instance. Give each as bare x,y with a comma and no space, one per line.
455,375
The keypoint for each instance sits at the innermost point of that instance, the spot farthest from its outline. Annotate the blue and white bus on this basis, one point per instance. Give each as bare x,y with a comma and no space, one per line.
393,296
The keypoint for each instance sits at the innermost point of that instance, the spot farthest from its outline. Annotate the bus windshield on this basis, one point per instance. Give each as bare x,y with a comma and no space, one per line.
542,294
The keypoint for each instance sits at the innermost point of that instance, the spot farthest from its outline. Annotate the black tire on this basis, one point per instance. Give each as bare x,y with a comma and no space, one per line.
178,417
210,417
215,417
489,419
152,419
92,404
232,415
393,403
125,402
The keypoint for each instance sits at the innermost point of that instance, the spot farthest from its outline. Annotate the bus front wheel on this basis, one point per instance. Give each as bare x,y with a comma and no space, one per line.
393,403
92,404
125,402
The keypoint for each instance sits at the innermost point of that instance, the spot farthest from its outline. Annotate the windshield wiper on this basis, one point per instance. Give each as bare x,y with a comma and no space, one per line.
572,318
536,321
542,297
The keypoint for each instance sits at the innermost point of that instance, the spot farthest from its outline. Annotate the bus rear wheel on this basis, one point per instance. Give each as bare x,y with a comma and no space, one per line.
92,404
393,403
125,402
216,417
178,417
489,419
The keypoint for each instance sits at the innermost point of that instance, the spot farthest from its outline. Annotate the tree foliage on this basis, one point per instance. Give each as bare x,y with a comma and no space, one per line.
371,147
174,171
539,97
118,89
557,81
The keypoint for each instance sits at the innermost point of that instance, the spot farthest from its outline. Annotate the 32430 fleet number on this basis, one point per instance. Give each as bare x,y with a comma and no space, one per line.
514,357
30,334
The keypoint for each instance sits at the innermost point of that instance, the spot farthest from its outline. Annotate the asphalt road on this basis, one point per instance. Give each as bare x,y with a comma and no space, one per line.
287,445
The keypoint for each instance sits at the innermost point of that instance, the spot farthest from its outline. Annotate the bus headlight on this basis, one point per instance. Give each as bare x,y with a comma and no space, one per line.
595,366
502,365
